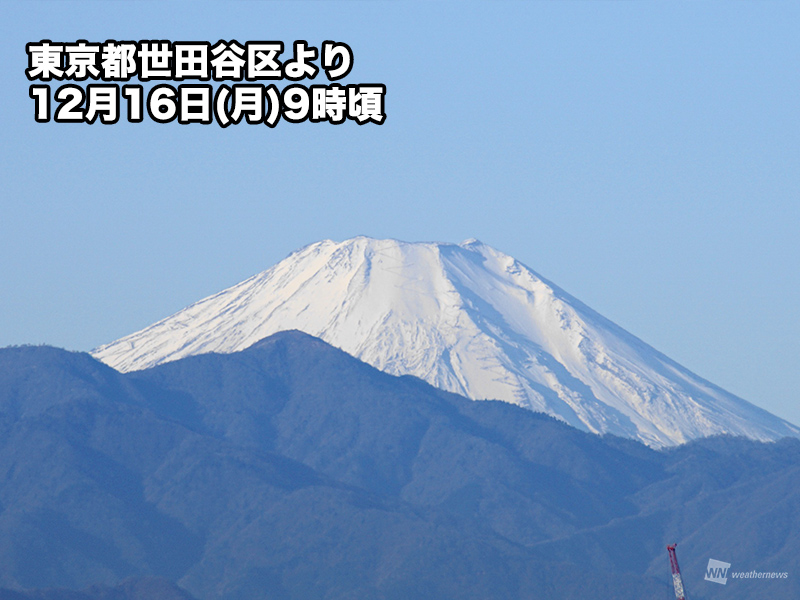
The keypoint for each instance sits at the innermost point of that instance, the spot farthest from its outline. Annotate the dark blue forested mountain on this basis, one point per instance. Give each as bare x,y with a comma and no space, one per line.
291,470
134,588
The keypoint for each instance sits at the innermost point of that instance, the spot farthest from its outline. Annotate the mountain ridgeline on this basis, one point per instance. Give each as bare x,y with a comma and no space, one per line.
465,318
291,470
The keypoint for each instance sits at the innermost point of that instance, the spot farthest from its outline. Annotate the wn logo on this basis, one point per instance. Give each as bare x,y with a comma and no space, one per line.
717,571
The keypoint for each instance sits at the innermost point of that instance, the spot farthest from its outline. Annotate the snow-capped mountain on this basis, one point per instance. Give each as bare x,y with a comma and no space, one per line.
466,318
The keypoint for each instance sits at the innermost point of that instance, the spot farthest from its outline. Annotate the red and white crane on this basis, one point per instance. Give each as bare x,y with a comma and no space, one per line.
677,580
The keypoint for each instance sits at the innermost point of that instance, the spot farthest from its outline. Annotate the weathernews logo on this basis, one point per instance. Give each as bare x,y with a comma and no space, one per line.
717,571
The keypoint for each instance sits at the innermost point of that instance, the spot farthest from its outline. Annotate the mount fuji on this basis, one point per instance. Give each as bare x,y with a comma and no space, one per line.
466,318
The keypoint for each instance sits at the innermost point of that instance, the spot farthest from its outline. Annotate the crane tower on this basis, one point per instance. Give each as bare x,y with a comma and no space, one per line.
677,580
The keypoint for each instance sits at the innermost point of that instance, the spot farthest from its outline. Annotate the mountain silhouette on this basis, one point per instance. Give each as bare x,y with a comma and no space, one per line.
293,470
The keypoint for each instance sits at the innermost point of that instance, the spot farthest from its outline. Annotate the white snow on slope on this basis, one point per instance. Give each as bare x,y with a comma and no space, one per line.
465,318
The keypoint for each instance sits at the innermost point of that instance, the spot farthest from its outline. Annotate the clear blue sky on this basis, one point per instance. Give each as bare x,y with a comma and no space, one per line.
643,156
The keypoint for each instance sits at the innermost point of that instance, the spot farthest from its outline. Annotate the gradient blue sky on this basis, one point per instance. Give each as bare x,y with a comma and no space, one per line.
643,156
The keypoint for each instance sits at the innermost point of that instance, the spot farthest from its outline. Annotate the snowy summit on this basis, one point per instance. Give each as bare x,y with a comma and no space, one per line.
466,318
